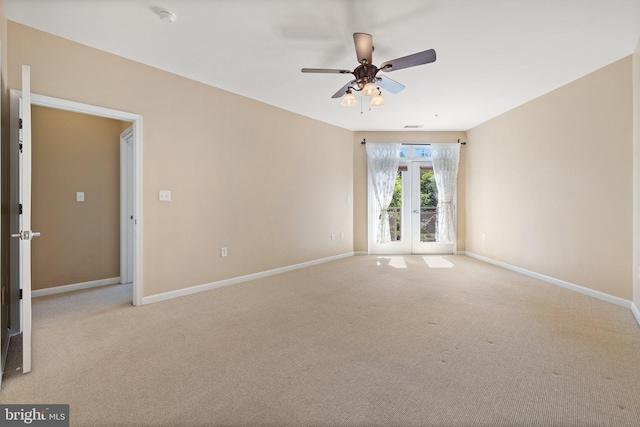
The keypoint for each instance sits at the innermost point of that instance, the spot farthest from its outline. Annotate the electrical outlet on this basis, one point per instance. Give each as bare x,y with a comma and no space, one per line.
483,237
223,251
80,196
342,235
164,196
333,236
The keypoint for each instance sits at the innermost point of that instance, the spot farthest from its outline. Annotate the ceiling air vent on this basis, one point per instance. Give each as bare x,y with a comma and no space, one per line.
413,126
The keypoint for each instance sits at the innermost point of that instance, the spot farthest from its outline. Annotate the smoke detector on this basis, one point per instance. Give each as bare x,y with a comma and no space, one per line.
166,16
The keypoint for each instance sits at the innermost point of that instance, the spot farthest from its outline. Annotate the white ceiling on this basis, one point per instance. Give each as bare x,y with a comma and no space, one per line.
493,55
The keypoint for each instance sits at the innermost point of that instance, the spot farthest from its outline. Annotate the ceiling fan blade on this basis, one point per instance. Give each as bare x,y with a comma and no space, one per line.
325,70
389,84
419,58
343,89
364,47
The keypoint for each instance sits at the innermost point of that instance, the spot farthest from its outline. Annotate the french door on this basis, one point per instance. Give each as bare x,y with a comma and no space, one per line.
412,215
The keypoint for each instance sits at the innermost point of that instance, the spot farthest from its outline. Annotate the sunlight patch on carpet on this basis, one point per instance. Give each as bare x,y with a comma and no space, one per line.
437,262
392,261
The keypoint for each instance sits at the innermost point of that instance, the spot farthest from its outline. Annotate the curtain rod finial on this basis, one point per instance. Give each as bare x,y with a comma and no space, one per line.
364,141
462,143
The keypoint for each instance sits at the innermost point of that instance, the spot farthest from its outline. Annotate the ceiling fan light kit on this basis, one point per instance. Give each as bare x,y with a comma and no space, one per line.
348,100
370,90
366,79
377,101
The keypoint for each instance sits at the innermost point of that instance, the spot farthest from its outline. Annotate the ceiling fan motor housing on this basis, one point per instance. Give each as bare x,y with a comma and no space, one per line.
365,74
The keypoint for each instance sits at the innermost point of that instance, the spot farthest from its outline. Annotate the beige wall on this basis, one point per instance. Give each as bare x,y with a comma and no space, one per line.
550,183
636,177
80,240
268,184
360,177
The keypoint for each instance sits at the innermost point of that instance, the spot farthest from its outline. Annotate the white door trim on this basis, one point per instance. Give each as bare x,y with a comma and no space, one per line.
136,120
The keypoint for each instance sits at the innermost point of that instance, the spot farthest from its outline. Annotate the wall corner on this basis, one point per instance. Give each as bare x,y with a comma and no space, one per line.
636,180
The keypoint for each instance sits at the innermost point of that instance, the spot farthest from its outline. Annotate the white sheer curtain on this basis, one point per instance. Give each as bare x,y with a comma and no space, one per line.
382,162
445,159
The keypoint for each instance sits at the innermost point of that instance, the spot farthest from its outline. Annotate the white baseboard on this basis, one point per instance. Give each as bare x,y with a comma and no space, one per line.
360,253
74,287
563,284
213,285
636,313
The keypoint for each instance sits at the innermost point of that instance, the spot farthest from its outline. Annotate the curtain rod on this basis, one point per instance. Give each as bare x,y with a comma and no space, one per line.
364,141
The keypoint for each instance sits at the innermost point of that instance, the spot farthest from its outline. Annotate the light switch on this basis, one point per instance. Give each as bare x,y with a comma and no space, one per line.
165,196
80,196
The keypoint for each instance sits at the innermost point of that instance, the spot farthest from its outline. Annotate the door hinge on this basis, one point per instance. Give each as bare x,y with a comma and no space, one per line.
20,293
20,147
20,209
19,123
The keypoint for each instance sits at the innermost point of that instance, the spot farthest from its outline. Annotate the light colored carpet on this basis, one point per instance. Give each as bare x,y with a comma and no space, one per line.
360,341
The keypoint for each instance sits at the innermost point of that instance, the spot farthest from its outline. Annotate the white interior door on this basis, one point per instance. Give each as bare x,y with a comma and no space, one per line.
25,235
126,206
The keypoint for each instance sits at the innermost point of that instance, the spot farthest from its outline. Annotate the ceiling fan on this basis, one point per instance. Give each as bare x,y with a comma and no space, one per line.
366,79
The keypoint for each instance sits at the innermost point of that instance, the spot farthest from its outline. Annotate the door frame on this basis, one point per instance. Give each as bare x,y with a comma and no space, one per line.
405,247
136,120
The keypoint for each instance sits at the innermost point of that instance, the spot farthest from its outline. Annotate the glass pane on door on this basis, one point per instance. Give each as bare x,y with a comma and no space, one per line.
395,210
428,205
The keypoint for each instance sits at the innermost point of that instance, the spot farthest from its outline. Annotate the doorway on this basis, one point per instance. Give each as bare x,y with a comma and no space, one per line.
413,212
18,281
75,200
130,173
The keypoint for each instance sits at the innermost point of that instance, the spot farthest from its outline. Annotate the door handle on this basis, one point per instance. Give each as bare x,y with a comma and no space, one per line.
415,211
26,235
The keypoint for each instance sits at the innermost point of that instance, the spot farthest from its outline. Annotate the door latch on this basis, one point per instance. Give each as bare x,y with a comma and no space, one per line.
26,235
